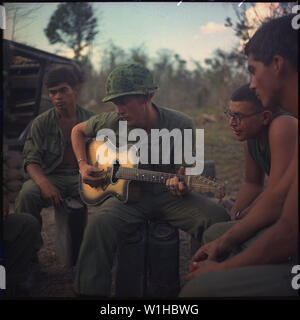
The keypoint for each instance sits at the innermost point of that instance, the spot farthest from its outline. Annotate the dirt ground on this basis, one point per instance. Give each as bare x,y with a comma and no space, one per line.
55,279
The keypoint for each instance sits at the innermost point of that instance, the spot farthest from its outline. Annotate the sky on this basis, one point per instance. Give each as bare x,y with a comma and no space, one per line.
192,30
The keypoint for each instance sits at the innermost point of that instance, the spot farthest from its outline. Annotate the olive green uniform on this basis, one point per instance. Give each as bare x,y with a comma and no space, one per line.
274,280
21,239
114,220
45,145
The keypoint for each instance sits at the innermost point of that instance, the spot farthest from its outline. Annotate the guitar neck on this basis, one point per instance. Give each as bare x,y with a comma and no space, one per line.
197,183
146,175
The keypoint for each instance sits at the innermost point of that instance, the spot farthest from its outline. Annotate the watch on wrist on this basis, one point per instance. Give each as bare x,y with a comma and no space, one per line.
82,159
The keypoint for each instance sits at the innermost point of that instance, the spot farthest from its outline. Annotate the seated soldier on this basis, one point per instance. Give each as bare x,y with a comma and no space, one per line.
264,268
130,87
48,156
267,152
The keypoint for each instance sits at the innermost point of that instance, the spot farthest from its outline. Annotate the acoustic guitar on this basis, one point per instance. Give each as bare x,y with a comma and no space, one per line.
120,179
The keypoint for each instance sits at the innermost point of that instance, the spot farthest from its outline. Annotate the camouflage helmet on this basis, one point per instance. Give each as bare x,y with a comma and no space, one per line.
127,79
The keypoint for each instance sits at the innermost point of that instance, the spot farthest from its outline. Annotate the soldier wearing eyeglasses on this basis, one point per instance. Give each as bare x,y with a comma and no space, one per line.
269,138
267,151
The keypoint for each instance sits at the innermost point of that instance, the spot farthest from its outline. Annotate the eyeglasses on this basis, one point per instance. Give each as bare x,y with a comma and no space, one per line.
237,117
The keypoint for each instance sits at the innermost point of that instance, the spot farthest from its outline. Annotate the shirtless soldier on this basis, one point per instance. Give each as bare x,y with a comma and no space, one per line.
48,155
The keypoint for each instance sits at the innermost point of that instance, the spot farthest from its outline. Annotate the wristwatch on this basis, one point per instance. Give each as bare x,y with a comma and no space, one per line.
82,159
237,214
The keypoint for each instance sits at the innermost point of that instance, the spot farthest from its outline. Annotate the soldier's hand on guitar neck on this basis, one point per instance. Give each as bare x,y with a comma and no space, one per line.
92,176
176,186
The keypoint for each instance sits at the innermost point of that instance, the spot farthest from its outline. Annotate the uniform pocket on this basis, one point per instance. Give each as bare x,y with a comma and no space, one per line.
52,144
52,151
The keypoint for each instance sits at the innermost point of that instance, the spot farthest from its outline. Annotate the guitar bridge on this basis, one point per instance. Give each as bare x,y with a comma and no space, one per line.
106,181
114,171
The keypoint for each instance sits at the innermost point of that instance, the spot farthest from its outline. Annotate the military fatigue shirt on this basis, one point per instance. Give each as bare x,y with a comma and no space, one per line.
45,141
168,119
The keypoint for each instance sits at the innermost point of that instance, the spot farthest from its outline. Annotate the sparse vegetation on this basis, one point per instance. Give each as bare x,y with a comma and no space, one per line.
202,93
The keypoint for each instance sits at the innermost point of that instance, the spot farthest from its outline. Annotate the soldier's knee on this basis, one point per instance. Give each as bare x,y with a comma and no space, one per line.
98,222
32,223
215,231
221,214
31,230
216,212
29,190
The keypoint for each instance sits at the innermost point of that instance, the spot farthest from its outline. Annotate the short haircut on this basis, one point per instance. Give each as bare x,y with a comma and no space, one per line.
60,74
244,93
275,37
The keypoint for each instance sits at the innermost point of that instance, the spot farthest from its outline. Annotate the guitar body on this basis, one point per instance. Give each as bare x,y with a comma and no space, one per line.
120,175
124,190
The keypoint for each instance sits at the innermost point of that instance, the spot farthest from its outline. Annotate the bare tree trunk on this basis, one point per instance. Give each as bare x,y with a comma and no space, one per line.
14,25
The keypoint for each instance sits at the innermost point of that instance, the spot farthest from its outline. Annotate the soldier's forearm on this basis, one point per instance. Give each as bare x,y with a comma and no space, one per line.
261,215
36,173
247,194
78,139
278,243
266,210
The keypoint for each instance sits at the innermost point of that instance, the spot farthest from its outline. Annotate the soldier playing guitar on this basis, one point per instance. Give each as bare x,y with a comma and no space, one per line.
130,87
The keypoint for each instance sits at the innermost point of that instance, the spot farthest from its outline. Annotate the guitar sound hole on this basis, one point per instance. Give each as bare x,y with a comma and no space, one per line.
116,166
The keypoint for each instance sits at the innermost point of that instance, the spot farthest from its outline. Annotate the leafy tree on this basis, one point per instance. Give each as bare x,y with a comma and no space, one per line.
89,85
74,25
139,55
112,56
163,65
243,26
226,72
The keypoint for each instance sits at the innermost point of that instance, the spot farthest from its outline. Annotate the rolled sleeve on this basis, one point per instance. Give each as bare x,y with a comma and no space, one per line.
100,121
33,150
90,126
187,124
